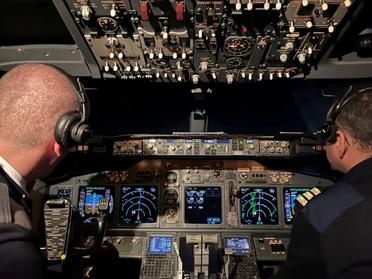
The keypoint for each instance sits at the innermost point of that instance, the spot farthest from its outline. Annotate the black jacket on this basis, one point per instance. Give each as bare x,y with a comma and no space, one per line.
332,234
20,256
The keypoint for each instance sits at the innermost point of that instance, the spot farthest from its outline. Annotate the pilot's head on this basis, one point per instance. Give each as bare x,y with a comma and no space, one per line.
32,98
349,129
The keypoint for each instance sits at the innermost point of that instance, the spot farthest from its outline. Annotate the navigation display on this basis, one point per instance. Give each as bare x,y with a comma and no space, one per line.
290,195
138,204
89,197
203,205
160,244
239,245
258,206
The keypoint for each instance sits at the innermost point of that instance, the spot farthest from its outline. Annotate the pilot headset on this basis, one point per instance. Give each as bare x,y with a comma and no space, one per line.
329,129
71,128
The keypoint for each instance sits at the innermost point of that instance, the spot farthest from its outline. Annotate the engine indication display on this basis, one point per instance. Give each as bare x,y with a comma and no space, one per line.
290,195
138,204
258,206
203,205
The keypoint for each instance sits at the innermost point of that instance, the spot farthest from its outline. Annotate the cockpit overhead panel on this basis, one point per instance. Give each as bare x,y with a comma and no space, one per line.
206,41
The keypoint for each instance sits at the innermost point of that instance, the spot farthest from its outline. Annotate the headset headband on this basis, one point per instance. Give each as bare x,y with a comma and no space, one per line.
328,131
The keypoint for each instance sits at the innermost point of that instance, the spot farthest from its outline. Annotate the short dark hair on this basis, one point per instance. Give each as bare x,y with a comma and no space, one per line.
32,98
356,118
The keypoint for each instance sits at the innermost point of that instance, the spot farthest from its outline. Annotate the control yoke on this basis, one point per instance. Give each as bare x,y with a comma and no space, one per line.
101,221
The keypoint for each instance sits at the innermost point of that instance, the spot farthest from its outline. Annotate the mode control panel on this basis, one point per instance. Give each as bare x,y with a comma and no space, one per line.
203,147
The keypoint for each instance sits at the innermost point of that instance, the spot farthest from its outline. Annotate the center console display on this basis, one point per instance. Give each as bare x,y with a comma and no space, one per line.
290,195
239,245
89,197
138,204
203,205
258,206
161,244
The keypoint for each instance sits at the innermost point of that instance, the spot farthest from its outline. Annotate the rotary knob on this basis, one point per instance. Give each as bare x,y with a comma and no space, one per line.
203,66
283,57
112,42
289,46
195,78
347,3
309,23
238,5
250,5
301,58
86,12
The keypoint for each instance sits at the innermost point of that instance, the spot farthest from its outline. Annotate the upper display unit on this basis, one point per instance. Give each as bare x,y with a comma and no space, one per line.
204,41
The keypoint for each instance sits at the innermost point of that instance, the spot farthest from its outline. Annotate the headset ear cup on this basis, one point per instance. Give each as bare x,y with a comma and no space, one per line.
332,136
64,126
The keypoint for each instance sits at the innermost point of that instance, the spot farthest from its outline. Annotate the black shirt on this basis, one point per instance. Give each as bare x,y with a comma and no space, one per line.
332,235
20,256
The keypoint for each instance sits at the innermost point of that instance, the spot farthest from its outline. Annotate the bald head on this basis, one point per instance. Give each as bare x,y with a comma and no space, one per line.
32,98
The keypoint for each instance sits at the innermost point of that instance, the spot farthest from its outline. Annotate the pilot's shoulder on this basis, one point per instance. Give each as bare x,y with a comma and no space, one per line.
304,198
329,204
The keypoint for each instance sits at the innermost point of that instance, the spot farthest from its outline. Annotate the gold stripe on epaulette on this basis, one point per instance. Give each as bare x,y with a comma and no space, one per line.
302,200
308,195
315,191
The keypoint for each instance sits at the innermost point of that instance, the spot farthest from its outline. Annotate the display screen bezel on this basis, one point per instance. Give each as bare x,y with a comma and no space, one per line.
154,237
188,211
254,187
157,210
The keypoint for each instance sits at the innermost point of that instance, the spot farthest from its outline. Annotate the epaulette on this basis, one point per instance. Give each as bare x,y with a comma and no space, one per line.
304,198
